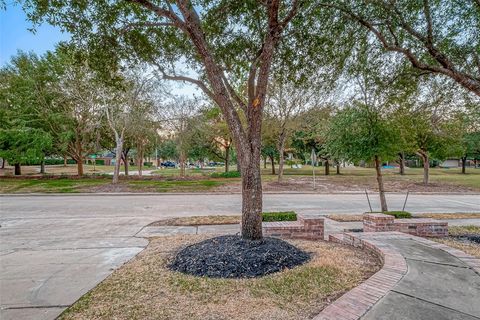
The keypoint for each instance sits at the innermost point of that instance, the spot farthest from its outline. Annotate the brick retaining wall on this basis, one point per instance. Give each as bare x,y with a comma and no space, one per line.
306,227
378,222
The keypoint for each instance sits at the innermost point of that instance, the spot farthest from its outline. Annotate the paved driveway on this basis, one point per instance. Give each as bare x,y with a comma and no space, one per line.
53,249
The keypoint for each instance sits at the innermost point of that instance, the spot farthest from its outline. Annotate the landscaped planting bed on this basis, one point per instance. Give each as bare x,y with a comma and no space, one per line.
465,238
145,288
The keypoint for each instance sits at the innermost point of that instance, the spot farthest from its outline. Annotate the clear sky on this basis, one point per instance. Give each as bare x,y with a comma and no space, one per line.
14,34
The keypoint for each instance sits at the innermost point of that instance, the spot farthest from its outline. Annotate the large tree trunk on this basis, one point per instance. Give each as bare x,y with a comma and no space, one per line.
118,158
79,165
227,157
281,158
401,162
327,167
381,190
464,164
426,165
18,169
272,160
251,200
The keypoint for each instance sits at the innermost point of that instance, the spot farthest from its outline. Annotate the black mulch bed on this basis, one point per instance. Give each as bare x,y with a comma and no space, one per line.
472,238
234,257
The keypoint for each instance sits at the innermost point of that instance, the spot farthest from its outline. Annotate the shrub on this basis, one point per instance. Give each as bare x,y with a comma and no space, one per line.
229,174
279,216
148,164
100,162
399,214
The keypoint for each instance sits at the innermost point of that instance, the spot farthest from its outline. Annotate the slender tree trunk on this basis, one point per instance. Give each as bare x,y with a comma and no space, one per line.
140,161
338,167
327,167
227,157
426,165
251,200
3,163
118,158
272,160
125,160
18,169
401,163
42,166
265,162
381,189
182,164
464,164
65,160
281,158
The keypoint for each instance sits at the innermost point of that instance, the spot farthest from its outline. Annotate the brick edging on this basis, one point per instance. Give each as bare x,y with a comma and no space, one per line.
356,302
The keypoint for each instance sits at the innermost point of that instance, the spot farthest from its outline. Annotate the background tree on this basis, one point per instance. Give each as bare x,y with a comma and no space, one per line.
424,32
285,102
360,132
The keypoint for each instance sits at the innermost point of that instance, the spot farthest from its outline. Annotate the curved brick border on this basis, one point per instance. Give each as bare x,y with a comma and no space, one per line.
355,303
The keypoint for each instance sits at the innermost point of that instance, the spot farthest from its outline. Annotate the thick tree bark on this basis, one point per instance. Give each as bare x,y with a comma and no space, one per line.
251,200
79,166
327,167
18,169
381,189
464,164
401,163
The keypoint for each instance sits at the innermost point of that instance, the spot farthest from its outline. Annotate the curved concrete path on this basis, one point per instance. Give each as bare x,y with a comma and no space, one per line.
420,280
437,286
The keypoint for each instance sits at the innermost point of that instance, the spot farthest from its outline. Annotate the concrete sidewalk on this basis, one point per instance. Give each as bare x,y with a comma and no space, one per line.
437,286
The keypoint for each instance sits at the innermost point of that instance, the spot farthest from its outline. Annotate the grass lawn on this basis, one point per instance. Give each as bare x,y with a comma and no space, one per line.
453,241
300,180
145,289
103,184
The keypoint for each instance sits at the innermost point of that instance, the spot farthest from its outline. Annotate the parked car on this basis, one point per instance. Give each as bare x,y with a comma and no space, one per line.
168,164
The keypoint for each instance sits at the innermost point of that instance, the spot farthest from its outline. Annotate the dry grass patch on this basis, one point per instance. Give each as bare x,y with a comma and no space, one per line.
197,221
443,216
346,217
145,289
438,216
453,241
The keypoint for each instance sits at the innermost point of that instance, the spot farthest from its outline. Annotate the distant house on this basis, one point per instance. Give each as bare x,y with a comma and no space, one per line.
457,163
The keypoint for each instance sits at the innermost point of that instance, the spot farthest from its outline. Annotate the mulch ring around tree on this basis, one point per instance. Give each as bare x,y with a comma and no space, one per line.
235,257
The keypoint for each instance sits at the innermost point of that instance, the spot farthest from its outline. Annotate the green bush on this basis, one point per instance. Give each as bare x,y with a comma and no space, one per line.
148,164
399,214
229,174
279,216
100,162
48,162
